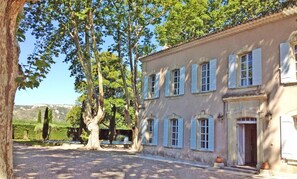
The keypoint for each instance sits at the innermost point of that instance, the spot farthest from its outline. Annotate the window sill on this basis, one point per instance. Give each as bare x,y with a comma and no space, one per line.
172,147
244,87
149,99
204,92
291,83
149,144
202,150
174,96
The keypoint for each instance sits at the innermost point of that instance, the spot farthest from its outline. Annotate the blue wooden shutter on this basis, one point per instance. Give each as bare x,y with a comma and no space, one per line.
211,132
257,66
155,132
288,138
145,87
288,69
167,83
182,80
157,86
193,136
180,133
165,135
213,74
194,78
232,71
143,131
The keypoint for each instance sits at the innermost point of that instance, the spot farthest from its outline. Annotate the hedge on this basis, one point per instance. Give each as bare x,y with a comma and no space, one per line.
33,132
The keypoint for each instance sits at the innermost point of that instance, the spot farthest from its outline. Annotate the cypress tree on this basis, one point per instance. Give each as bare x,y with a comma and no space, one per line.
45,125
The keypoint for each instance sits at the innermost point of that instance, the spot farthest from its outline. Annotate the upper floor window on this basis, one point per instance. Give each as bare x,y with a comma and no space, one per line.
173,132
151,86
288,62
149,131
175,82
152,81
202,133
246,69
205,77
206,80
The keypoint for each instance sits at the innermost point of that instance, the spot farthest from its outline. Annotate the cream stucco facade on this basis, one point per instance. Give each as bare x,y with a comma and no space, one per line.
246,120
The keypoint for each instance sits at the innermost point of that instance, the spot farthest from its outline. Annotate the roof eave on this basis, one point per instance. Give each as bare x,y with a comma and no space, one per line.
221,34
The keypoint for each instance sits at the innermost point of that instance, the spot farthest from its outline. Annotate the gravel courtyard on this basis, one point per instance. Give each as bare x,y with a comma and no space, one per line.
58,162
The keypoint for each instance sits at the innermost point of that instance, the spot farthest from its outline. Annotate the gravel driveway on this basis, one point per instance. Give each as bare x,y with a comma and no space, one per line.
54,162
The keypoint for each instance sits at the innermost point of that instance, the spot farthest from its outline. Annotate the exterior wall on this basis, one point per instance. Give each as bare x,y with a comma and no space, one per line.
279,99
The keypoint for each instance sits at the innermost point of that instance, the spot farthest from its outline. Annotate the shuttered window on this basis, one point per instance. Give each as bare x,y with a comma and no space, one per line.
203,77
173,132
149,131
175,82
245,70
202,134
151,86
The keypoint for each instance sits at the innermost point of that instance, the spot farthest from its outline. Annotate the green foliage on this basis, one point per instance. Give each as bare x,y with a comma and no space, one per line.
189,19
39,116
73,116
34,131
50,116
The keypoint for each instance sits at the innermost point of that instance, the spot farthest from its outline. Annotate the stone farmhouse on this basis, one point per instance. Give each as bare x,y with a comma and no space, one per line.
231,93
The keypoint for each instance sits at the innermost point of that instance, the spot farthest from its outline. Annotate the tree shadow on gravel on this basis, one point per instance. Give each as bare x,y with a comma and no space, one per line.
46,162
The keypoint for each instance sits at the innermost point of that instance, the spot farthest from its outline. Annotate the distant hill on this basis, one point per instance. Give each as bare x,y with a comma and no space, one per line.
30,112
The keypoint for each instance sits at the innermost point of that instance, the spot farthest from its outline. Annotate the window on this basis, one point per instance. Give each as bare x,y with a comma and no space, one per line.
204,133
152,84
150,130
176,81
205,77
174,132
246,70
206,80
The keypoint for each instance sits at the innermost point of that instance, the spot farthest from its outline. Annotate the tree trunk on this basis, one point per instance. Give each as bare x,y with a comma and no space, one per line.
9,54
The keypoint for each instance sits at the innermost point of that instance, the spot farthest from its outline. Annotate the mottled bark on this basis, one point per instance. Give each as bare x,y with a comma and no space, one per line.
9,54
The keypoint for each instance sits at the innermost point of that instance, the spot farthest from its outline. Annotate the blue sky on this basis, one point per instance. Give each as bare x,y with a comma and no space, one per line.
56,88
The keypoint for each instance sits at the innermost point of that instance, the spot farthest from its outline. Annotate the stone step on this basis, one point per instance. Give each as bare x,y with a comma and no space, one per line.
243,169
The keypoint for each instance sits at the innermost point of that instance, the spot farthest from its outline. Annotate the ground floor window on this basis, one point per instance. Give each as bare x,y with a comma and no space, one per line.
173,132
149,131
202,134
